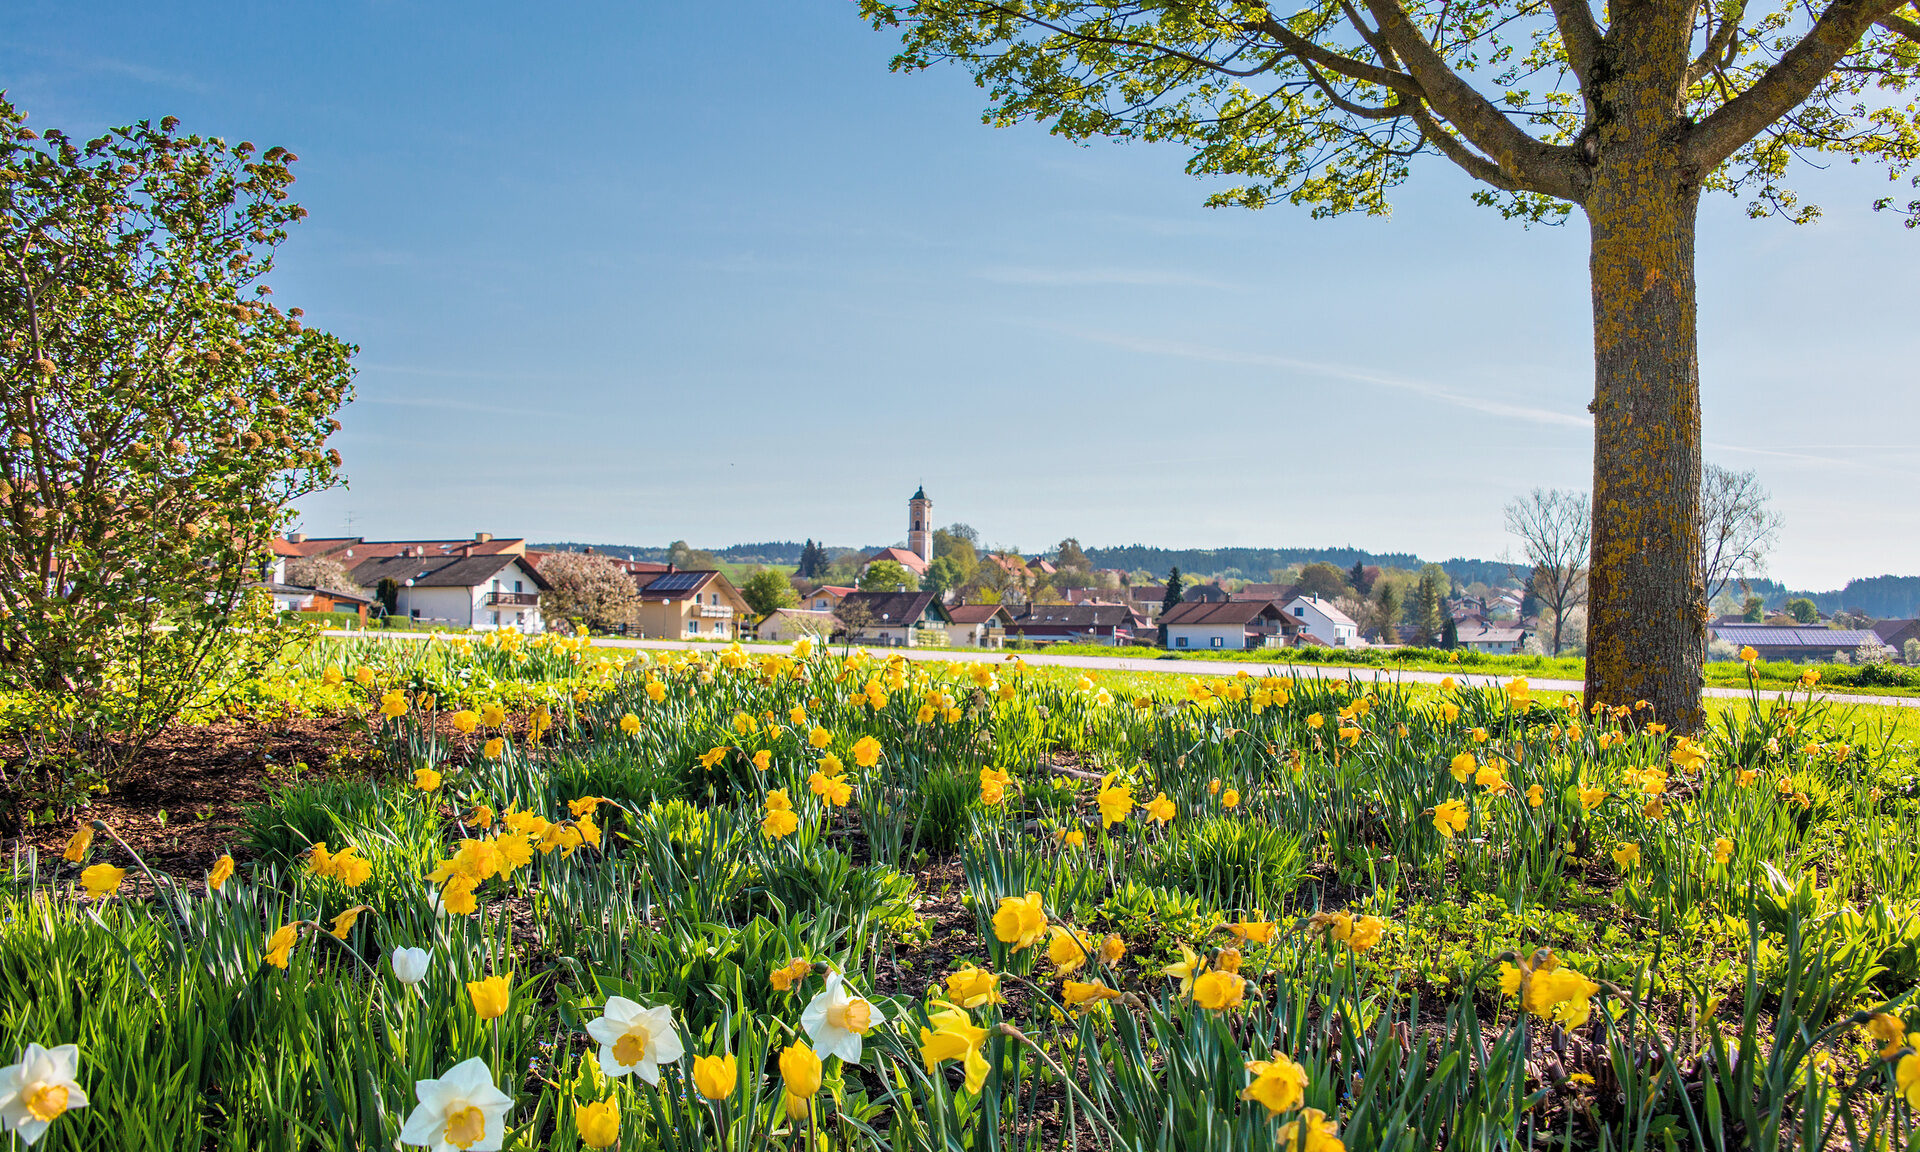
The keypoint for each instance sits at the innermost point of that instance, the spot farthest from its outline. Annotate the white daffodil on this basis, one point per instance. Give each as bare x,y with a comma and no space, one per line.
34,1092
410,965
835,1020
462,1110
635,1039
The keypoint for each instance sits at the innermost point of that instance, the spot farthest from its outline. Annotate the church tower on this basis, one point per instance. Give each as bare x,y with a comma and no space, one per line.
920,525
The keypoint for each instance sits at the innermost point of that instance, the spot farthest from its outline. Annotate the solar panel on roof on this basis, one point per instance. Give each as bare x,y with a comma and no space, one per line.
675,582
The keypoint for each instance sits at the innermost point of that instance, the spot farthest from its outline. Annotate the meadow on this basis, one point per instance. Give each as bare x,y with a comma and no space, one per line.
566,896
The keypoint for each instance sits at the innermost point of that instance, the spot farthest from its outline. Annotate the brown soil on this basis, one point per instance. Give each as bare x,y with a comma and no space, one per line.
180,803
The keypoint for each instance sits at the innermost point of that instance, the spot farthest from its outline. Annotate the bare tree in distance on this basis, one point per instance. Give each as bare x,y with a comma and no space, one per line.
1737,527
1555,528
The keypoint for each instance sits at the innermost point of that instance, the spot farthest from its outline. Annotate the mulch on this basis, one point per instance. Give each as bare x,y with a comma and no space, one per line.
179,804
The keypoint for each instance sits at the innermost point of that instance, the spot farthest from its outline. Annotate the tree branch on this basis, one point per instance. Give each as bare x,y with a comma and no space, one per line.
1902,26
1780,88
1579,33
1719,45
1550,169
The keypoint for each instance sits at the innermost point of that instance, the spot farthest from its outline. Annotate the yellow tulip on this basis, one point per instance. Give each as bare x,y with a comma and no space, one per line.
489,996
715,1076
598,1122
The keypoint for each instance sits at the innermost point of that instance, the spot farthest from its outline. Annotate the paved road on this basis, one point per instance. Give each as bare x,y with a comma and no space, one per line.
1199,667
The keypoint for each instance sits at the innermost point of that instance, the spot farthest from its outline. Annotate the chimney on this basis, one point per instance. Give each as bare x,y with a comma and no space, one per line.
482,537
296,537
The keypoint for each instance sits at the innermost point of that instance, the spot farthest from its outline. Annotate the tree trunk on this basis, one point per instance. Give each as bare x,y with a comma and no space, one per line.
1647,611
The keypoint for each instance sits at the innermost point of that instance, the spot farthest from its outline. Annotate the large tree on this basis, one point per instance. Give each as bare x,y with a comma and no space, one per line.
157,413
1627,114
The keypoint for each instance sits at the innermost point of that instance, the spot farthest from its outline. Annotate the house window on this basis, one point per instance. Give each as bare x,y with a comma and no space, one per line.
519,586
1180,642
1299,611
415,612
693,627
1216,641
519,617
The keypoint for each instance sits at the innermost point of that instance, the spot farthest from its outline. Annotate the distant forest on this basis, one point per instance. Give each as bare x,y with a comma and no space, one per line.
1882,597
1255,563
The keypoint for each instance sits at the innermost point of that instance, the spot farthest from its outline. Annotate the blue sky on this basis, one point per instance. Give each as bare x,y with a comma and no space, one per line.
642,271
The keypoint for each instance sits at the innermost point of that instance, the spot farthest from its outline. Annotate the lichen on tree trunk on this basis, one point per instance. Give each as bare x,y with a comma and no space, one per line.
1646,609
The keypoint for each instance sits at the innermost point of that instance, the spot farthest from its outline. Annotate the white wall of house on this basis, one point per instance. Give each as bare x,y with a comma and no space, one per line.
1332,631
788,625
445,605
1191,636
972,636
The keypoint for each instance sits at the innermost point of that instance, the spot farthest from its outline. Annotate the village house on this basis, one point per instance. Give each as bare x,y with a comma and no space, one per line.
1323,623
484,591
1801,644
1478,635
1227,624
1076,624
977,625
894,619
785,625
688,605
825,598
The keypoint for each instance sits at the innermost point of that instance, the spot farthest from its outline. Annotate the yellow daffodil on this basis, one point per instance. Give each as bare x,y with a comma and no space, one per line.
102,880
221,873
1311,1132
1020,921
1626,856
77,845
866,752
800,1073
426,779
1066,950
1450,818
280,945
1279,1084
343,923
971,987
1115,801
1159,809
953,1036
1219,990
1722,850
1186,970
1255,929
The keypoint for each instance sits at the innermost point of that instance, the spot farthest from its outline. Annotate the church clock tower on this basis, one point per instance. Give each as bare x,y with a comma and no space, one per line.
920,525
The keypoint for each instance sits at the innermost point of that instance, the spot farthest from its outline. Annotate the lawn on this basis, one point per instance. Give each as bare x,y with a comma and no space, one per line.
550,895
1871,679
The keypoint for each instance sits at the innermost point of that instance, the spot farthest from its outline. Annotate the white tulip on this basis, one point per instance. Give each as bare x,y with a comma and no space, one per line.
635,1039
460,1112
410,965
835,1020
36,1091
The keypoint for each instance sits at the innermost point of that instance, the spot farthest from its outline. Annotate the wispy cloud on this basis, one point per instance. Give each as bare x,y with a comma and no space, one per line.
1354,374
146,74
446,405
1097,277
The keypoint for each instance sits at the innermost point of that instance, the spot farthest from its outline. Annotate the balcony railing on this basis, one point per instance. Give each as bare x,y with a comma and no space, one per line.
515,599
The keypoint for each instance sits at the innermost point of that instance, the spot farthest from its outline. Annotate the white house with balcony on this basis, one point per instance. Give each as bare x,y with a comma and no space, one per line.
1322,623
499,590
